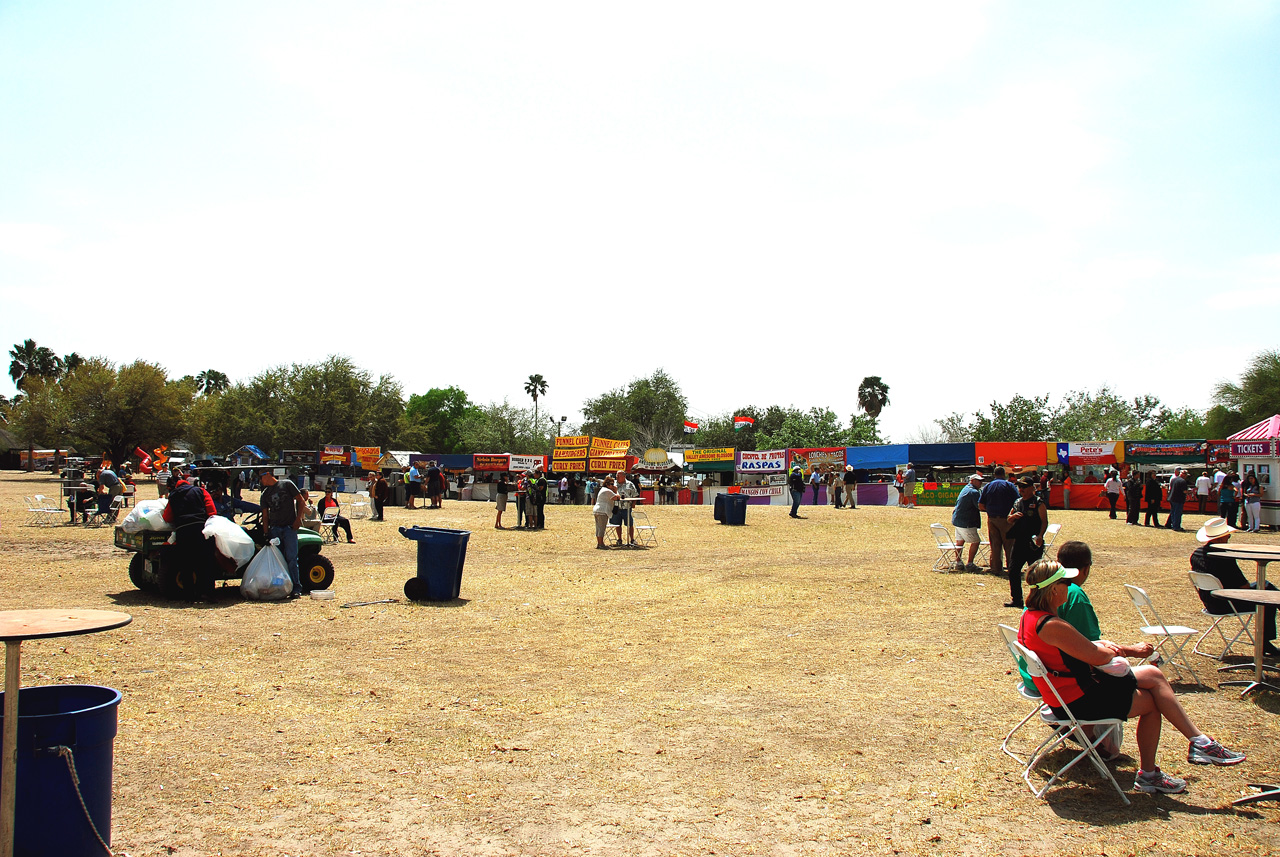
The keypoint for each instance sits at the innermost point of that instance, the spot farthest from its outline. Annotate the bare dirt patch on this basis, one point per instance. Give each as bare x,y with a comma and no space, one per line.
788,687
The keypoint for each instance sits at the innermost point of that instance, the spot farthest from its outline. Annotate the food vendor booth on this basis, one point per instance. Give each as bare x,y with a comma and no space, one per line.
1257,450
1088,463
942,470
715,467
867,460
487,468
569,455
826,459
605,456
658,465
761,474
1162,454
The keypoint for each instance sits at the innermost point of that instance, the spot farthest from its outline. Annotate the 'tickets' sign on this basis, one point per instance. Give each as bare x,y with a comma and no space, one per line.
1252,449
762,461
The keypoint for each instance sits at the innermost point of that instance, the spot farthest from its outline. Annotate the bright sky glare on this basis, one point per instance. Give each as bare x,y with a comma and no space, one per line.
969,199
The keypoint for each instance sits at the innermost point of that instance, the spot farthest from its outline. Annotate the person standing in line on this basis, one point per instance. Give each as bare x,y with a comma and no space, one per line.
1177,498
282,513
538,498
997,499
836,487
909,485
379,491
795,482
1066,489
1228,498
564,490
815,479
1132,498
966,517
1027,523
522,501
626,491
1151,492
500,493
1112,487
1251,495
1045,478
412,486
603,510
162,479
1203,485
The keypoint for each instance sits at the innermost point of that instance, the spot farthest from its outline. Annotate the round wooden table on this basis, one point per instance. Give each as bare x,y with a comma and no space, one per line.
16,626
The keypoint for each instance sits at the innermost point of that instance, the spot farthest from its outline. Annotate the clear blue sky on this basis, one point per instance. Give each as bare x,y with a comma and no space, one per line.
969,199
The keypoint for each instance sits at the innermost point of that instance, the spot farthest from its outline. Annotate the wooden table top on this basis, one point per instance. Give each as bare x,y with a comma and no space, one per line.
1241,547
37,624
1253,596
1255,556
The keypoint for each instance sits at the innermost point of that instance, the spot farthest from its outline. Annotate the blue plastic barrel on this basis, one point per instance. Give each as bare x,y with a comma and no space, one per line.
441,555
49,817
718,511
735,509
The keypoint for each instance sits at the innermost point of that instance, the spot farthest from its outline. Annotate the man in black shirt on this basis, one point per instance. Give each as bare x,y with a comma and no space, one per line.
1177,497
1217,532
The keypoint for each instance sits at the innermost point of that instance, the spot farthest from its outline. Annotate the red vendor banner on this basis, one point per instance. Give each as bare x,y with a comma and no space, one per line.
491,463
820,457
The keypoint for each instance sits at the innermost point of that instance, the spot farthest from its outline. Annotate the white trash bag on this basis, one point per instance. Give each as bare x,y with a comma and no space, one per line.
267,577
147,515
232,541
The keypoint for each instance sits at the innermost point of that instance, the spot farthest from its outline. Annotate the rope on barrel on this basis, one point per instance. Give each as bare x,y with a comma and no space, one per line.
65,752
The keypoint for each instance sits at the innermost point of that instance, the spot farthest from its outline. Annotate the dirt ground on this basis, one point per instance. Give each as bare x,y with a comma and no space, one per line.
791,687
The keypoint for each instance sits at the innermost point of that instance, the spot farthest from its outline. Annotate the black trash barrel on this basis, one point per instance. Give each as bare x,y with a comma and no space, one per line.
441,554
82,719
718,512
735,509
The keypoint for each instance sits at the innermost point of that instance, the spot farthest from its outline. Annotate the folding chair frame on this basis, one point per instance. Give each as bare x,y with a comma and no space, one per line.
1051,536
646,533
1068,728
108,515
1245,618
1010,637
947,546
329,526
1164,635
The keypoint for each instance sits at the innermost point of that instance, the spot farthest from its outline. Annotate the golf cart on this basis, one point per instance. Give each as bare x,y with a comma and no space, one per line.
150,570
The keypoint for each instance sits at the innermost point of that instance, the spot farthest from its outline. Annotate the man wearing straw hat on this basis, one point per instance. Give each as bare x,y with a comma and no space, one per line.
1216,531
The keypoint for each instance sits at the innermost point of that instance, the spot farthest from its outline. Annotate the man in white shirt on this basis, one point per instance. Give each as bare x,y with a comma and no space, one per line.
1203,486
1112,488
627,488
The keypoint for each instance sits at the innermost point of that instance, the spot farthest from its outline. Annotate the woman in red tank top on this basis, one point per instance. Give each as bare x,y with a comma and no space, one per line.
1092,695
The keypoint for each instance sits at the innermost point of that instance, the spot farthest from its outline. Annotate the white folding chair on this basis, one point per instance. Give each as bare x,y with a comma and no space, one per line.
329,524
1169,640
1241,618
42,512
1010,637
1051,536
646,533
1069,727
359,508
946,542
108,515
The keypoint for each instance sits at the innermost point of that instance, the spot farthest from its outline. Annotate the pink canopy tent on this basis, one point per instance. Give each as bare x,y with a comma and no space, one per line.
1263,430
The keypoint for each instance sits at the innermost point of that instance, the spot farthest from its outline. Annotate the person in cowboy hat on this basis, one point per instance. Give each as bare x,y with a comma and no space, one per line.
1216,531
850,487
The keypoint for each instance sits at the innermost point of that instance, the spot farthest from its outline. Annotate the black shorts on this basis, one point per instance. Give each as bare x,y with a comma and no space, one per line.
1109,699
413,489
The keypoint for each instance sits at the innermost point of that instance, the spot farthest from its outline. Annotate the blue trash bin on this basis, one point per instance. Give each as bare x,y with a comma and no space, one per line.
718,511
441,554
49,818
735,509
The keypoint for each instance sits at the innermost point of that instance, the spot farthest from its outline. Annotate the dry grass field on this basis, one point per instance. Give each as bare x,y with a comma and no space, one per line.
792,687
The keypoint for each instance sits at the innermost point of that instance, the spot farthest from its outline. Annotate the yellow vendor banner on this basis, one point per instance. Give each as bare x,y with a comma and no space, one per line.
576,465
698,456
367,456
603,447
577,441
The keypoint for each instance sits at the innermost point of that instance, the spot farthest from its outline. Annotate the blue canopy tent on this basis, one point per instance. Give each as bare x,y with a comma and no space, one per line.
942,454
876,457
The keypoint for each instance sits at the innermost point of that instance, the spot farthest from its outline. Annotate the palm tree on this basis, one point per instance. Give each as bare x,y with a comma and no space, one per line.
30,360
211,381
71,363
873,395
536,386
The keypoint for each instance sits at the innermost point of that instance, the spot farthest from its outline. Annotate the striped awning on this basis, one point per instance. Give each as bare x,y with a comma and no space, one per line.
1265,430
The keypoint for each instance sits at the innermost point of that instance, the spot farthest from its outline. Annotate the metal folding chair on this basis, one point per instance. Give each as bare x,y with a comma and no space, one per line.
1051,536
108,515
329,525
1010,637
1241,618
1163,636
42,512
1069,727
946,544
646,533
359,508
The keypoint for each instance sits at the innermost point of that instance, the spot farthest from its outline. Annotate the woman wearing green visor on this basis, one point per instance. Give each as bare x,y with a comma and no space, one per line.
1076,668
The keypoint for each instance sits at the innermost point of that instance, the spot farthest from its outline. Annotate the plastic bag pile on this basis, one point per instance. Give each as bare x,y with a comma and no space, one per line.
147,515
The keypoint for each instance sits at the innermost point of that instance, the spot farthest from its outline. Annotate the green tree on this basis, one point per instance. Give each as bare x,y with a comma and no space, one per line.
502,428
211,382
1180,424
1257,396
1220,422
39,416
113,410
814,427
71,362
29,360
337,402
1101,415
1021,419
955,428
873,397
648,411
863,431
536,386
432,421
248,412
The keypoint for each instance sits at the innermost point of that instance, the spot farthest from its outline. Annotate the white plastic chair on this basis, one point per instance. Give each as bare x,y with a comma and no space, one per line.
359,508
1010,637
646,533
946,543
1069,727
1051,536
1169,640
1243,618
